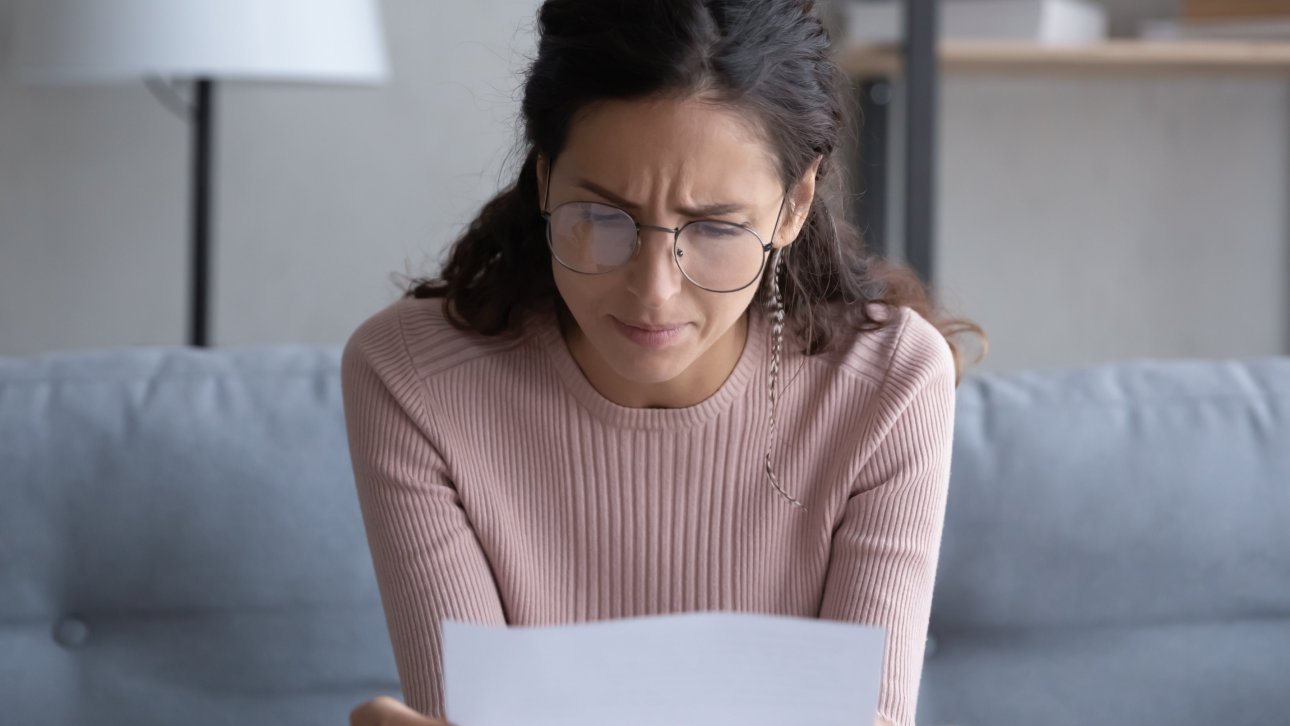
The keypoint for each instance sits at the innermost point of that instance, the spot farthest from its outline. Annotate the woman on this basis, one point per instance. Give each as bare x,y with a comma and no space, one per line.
658,373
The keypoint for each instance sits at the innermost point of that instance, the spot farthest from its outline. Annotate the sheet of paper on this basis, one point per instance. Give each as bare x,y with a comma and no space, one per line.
686,669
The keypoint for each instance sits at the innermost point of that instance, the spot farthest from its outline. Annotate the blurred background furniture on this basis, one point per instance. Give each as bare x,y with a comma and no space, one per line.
180,542
916,53
926,51
1117,548
1088,201
202,41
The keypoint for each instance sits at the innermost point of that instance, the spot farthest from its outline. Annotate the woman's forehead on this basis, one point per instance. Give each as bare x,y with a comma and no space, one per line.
639,144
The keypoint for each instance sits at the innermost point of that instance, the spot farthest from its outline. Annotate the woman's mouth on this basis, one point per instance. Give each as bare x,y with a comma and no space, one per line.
649,335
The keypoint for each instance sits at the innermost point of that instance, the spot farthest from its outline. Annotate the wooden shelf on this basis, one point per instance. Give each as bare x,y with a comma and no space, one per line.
1113,55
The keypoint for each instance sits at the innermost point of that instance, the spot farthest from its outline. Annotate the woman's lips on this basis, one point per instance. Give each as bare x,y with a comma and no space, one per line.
653,337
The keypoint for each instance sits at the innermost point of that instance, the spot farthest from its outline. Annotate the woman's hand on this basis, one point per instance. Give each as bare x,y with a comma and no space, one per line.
385,711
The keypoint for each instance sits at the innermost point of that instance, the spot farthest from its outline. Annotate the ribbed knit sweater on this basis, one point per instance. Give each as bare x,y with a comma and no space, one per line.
497,485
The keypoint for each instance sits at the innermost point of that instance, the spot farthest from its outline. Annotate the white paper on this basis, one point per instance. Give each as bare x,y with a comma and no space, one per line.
685,669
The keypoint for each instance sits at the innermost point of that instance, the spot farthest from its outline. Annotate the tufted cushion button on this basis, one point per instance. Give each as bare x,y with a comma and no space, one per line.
71,632
930,649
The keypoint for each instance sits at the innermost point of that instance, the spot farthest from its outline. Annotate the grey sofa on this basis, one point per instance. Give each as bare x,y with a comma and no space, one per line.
180,543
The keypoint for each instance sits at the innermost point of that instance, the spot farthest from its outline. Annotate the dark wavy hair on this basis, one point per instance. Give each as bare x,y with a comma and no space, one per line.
767,58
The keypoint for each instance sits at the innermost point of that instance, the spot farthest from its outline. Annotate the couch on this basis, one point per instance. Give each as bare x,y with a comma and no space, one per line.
180,543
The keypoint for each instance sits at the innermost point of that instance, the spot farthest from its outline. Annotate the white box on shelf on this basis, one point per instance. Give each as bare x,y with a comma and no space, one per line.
1046,22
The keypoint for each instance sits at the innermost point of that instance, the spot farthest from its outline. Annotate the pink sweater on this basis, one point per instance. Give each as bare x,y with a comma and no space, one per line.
498,486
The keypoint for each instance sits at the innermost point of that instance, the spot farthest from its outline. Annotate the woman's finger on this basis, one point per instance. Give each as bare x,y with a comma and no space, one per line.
386,711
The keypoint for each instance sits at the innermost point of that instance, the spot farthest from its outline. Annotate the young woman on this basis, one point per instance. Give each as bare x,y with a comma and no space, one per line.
658,373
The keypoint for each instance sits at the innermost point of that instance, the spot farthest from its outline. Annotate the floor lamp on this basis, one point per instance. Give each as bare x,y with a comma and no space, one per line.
200,41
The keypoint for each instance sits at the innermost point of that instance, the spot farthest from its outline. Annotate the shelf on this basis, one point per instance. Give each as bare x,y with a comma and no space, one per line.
1113,55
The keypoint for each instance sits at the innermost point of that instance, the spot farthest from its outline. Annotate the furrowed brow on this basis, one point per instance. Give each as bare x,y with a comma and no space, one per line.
707,210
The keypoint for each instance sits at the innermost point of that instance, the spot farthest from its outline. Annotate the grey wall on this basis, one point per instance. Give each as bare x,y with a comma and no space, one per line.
1091,219
1082,218
323,191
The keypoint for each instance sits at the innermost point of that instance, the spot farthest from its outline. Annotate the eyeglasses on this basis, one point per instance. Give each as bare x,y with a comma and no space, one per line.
593,238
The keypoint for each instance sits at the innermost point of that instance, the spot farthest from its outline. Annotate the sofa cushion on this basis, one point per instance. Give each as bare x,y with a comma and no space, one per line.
1117,548
180,541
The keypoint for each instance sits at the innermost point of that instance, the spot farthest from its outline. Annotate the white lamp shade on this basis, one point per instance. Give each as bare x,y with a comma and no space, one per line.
104,41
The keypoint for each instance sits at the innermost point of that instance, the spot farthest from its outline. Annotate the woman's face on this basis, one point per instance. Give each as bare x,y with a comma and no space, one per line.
661,160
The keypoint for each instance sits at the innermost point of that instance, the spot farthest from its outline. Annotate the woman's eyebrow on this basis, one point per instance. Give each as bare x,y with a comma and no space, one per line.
707,210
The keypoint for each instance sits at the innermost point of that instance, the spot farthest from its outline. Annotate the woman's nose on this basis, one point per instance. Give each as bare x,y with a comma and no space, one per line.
653,276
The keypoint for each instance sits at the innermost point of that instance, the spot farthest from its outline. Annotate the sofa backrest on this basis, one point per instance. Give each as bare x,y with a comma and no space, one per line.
181,542
1117,548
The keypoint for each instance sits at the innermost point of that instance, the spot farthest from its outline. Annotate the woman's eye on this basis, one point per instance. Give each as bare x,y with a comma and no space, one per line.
719,230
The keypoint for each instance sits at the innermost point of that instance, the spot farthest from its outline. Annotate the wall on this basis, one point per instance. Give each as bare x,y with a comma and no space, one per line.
1081,219
323,191
1088,219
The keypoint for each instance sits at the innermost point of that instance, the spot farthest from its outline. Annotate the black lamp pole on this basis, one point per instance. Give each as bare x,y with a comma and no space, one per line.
202,188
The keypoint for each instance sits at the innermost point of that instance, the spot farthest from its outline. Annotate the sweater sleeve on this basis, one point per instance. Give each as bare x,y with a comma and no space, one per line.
428,561
885,550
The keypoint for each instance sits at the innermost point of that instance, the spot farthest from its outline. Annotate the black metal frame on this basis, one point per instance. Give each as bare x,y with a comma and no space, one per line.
922,84
871,205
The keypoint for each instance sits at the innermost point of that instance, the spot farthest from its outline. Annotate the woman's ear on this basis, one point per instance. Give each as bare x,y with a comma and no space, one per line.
799,204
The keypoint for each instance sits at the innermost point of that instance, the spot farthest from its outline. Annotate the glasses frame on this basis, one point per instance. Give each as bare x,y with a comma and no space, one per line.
766,247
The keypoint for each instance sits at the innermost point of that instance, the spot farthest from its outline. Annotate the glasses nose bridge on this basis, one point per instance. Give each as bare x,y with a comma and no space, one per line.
672,234
672,231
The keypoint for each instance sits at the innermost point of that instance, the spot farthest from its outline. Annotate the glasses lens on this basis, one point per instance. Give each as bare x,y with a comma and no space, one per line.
591,238
719,256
